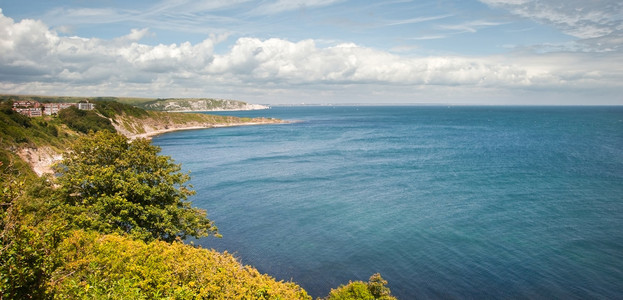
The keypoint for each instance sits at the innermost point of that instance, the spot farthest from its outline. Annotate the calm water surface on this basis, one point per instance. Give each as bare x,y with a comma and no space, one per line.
444,202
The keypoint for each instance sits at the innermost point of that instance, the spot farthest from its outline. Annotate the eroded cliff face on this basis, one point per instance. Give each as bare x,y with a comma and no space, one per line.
185,105
162,122
40,159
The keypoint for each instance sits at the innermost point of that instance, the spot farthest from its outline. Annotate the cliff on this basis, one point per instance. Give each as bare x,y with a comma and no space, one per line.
199,104
161,122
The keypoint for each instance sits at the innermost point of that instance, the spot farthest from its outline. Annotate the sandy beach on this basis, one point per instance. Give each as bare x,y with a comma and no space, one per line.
155,132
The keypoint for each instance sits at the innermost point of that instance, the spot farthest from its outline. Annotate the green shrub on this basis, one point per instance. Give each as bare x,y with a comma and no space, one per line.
115,267
374,289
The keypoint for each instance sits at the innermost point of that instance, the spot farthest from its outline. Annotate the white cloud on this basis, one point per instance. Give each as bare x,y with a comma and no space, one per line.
36,58
471,26
87,15
280,6
417,20
597,22
178,15
136,34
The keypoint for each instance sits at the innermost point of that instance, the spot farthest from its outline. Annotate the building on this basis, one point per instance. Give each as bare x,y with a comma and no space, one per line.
29,108
33,108
86,106
26,104
29,111
53,108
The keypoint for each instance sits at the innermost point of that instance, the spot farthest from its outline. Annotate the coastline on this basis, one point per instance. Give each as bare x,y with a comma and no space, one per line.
217,110
156,132
42,159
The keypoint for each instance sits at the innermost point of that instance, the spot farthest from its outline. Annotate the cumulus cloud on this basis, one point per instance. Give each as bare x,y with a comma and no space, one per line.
598,23
37,57
33,52
303,62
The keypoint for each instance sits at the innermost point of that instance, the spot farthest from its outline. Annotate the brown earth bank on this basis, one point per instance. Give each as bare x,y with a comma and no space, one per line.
149,128
40,159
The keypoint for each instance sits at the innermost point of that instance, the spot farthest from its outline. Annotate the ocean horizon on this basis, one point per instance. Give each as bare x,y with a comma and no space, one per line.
442,201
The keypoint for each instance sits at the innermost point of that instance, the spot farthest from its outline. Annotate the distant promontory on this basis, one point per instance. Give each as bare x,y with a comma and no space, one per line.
199,104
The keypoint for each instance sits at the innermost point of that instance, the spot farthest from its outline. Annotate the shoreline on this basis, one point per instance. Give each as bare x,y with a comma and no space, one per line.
156,132
41,159
213,110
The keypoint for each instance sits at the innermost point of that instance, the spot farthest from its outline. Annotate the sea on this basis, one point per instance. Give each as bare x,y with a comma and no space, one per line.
445,202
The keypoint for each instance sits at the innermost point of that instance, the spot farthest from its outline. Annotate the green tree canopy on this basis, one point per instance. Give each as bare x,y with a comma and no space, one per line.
374,289
112,185
108,266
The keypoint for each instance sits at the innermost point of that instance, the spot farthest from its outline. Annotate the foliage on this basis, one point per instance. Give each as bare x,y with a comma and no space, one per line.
15,117
84,120
12,165
110,266
374,289
110,109
111,185
28,243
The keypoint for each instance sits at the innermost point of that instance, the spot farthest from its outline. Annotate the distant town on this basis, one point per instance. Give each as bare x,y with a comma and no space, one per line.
33,108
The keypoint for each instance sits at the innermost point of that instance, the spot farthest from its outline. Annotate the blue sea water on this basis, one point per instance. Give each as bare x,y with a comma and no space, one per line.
444,202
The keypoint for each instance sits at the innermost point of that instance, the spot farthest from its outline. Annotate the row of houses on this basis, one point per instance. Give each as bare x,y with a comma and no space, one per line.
33,108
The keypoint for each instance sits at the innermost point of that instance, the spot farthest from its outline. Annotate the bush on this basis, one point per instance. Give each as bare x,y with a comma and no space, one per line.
374,289
114,267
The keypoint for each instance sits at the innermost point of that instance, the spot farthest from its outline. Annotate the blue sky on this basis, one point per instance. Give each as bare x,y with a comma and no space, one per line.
318,51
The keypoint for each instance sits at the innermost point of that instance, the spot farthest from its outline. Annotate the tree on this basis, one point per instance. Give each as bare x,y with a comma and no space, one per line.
27,244
374,289
112,185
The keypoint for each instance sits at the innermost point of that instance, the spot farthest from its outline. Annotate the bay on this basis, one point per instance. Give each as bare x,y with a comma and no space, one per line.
444,202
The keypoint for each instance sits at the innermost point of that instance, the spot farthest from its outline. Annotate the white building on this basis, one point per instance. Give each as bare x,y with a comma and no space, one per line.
53,108
86,106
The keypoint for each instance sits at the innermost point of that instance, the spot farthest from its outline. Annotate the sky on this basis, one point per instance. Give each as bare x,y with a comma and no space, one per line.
486,52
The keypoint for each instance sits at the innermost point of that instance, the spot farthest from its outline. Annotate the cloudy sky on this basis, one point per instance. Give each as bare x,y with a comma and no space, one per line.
317,51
